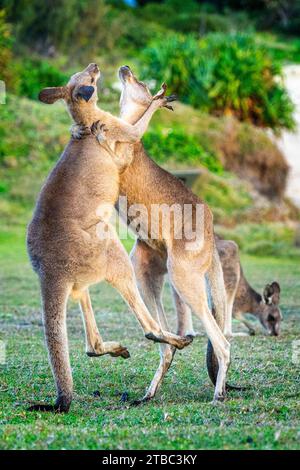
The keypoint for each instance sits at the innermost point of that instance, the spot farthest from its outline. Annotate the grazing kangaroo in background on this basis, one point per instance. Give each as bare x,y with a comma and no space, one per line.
70,241
242,298
145,183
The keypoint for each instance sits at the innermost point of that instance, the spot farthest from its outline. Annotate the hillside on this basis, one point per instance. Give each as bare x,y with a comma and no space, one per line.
33,135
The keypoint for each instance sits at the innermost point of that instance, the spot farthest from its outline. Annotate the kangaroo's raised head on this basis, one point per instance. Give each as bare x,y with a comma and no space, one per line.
270,315
135,95
80,93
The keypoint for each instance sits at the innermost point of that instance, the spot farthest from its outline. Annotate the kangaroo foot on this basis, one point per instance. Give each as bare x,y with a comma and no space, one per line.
194,334
219,397
141,401
95,348
62,405
116,350
112,348
179,342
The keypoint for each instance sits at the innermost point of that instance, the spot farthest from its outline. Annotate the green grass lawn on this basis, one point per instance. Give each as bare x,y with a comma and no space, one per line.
181,417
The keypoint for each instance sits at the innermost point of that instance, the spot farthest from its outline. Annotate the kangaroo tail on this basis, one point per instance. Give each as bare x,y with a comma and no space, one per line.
213,367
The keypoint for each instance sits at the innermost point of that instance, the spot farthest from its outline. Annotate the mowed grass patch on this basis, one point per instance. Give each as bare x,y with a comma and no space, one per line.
266,416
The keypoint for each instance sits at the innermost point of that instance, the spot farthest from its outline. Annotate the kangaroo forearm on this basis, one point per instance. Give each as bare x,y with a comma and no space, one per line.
142,124
121,131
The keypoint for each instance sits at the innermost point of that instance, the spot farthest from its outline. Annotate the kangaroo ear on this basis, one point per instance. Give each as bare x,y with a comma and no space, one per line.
272,293
50,95
276,295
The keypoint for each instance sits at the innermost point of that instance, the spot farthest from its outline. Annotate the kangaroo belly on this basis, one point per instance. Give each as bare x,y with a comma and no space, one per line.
77,199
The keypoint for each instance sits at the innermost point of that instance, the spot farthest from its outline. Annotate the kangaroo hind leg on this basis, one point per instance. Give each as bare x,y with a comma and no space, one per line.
188,279
120,275
150,269
95,346
55,294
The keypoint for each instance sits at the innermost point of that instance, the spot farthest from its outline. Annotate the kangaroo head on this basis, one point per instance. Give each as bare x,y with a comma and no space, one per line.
135,95
270,315
80,93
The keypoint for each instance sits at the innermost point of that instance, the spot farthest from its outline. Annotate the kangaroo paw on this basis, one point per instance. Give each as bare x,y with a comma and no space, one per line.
179,342
123,352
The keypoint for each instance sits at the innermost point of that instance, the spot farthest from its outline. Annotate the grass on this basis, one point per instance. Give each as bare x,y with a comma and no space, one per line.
181,417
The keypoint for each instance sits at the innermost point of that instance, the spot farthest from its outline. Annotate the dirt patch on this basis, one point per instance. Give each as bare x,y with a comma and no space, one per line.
251,154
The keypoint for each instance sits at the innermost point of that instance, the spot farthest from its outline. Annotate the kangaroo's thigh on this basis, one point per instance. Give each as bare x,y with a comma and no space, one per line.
150,269
120,274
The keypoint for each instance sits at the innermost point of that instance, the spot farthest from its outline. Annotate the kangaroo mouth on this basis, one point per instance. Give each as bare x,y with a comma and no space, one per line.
93,68
94,71
125,73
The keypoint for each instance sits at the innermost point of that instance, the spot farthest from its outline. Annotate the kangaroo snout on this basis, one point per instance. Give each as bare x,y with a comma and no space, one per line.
125,72
93,68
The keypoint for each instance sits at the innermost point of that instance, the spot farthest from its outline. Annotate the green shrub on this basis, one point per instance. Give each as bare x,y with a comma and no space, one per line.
76,27
35,74
177,148
225,74
190,16
6,42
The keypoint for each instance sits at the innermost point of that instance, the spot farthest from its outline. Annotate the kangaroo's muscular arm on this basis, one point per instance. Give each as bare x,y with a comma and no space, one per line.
118,130
121,131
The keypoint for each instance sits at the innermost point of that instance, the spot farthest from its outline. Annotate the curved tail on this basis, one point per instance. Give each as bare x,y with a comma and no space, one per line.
213,367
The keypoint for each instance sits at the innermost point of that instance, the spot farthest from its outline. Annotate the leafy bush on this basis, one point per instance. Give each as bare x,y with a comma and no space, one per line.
6,73
191,16
241,148
175,146
223,74
35,74
76,27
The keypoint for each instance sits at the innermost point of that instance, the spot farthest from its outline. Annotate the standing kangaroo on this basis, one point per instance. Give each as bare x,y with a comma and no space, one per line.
149,257
146,184
70,241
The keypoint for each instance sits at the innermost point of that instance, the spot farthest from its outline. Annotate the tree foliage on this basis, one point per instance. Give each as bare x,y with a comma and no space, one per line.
6,42
223,74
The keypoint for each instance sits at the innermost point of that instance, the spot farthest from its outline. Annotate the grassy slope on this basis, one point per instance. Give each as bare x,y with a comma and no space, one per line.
265,417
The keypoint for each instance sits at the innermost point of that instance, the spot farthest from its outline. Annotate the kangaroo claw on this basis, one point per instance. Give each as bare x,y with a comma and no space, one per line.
161,93
171,98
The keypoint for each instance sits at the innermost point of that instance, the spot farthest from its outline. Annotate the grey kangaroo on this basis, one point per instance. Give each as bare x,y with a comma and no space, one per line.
150,257
145,183
70,241
242,298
